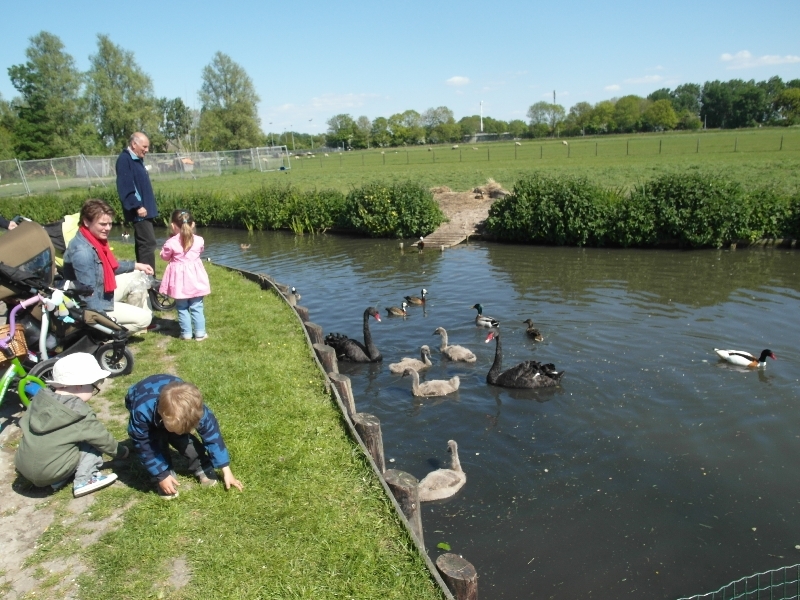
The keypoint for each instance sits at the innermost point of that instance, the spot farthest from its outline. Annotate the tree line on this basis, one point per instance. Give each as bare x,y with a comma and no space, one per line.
61,111
715,104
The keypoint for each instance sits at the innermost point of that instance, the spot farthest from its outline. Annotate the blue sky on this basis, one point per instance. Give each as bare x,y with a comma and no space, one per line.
311,60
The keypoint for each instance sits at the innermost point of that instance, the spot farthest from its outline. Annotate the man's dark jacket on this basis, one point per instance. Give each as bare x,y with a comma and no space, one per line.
134,187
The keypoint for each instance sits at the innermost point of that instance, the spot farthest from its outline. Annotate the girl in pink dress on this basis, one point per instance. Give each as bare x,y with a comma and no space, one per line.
186,279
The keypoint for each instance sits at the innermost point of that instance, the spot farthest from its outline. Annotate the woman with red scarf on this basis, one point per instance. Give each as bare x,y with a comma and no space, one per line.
90,261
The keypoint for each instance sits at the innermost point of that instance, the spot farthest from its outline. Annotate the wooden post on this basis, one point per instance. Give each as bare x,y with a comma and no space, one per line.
698,146
283,289
342,383
291,300
488,157
515,152
459,155
362,159
569,149
406,156
314,332
369,428
595,148
735,143
781,148
327,356
434,155
404,487
384,158
541,151
340,158
659,146
627,147
459,575
302,311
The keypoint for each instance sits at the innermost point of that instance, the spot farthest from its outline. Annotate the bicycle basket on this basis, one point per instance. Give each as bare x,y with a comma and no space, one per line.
17,344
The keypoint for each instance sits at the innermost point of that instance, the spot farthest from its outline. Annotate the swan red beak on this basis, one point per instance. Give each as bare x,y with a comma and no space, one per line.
377,317
489,337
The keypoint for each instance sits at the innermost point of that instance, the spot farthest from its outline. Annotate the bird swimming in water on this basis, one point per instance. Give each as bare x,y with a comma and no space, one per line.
421,244
126,236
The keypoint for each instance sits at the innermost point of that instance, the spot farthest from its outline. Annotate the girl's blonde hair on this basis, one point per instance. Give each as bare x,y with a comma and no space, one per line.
183,220
180,405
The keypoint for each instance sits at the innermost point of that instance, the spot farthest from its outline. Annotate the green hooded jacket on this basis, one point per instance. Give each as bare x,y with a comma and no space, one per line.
52,428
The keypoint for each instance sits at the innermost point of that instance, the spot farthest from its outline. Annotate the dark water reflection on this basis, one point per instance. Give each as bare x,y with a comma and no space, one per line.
653,471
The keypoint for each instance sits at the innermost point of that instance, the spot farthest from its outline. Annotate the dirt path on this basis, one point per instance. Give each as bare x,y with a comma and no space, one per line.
467,211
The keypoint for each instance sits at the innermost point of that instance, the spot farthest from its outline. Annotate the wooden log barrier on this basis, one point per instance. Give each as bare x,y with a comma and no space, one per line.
314,332
291,299
459,575
404,488
327,356
342,383
302,311
369,428
283,289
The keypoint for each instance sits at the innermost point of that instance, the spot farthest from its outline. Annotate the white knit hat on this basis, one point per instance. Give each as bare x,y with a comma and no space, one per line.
79,368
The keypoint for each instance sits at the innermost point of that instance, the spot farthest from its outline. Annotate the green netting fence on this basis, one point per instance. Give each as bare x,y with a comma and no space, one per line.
779,584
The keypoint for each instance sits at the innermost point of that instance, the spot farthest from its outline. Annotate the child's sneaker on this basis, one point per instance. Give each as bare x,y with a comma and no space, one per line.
164,495
207,477
201,338
97,482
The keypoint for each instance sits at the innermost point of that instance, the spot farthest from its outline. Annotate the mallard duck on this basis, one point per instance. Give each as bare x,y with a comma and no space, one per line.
528,374
435,387
484,321
413,363
418,300
457,353
350,350
443,483
397,311
745,359
532,331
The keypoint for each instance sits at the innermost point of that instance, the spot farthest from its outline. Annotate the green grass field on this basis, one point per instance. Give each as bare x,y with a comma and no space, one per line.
761,157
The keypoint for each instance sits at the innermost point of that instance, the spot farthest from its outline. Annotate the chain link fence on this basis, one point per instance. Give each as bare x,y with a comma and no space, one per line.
52,174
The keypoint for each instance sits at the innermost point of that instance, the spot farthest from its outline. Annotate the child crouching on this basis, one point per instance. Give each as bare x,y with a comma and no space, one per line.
61,435
163,411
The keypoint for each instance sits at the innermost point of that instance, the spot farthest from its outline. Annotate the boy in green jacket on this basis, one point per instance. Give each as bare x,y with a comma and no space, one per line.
61,435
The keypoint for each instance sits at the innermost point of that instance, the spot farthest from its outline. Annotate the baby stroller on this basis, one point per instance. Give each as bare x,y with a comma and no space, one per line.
54,329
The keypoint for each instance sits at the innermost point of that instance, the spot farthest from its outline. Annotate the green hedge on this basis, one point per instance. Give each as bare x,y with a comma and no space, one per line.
692,210
375,209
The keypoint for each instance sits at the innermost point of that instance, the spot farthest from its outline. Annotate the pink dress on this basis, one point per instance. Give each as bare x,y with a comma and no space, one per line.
185,276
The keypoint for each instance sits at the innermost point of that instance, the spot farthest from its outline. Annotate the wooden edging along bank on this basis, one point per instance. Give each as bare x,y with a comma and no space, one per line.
456,577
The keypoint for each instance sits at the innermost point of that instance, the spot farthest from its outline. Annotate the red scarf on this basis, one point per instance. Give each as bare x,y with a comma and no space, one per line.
110,263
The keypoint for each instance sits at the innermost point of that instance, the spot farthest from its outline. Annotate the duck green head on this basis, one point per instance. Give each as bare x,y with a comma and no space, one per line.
478,307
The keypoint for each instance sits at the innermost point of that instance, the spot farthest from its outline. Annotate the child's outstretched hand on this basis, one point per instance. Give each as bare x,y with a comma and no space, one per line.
229,480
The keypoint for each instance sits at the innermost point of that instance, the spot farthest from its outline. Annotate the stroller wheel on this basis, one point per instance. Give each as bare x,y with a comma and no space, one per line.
160,301
122,365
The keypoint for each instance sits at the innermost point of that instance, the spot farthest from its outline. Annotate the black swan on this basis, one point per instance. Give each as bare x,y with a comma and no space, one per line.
418,300
528,374
349,350
532,331
484,321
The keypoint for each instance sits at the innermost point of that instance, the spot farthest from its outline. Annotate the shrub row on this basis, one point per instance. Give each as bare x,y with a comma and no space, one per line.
400,210
692,210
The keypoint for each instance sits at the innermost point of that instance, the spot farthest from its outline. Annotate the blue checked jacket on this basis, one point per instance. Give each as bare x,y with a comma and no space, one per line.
145,424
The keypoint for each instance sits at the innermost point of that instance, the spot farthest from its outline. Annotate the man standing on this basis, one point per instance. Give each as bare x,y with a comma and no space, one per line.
136,194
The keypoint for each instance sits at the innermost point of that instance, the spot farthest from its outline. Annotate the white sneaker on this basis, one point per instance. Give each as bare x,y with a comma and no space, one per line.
97,482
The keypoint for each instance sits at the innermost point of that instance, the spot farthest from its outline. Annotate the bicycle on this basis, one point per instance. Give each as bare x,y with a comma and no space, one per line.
12,347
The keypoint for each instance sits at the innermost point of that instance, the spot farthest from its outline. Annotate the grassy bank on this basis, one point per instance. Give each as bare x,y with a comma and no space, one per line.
311,522
621,161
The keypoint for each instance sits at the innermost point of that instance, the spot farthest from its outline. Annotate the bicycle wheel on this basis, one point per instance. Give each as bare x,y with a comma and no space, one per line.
160,301
43,370
120,366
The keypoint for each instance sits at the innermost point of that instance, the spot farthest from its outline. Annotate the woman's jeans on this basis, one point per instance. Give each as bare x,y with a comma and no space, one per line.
190,315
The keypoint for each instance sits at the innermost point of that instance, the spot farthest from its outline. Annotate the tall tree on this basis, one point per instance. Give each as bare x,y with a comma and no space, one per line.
379,133
628,113
578,118
120,95
341,131
362,131
7,118
787,104
660,115
686,97
545,113
53,119
176,120
228,107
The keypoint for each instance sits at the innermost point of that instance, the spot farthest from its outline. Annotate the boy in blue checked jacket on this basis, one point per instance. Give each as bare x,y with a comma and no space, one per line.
163,411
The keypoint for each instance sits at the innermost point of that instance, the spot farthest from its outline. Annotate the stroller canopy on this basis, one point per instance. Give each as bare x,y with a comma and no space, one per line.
29,249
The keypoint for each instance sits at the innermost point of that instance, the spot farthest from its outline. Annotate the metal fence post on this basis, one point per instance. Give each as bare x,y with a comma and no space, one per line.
219,164
53,169
22,175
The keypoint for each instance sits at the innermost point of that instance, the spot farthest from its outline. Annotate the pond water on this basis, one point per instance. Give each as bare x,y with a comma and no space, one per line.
653,471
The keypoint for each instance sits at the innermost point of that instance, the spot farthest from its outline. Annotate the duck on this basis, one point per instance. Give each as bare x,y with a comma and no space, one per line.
413,363
244,246
397,311
349,350
457,353
126,236
295,294
526,375
443,483
434,387
421,244
532,331
745,359
483,321
418,300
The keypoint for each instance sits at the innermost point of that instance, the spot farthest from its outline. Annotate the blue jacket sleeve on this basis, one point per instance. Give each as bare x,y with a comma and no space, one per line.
126,187
142,433
208,428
